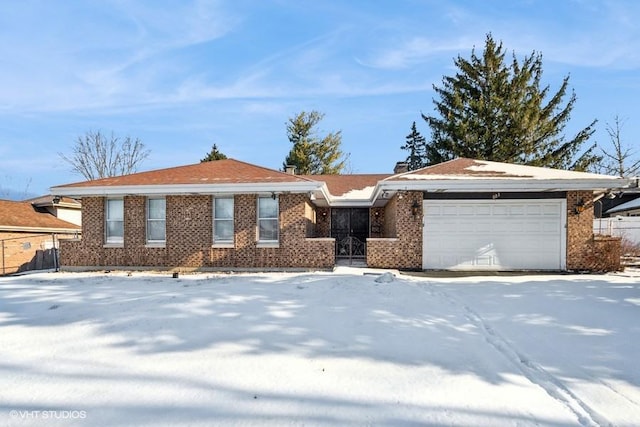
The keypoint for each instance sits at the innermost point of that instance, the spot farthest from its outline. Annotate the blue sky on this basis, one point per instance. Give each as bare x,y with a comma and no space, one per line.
182,75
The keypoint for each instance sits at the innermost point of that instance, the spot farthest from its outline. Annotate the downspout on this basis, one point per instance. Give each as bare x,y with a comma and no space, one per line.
2,256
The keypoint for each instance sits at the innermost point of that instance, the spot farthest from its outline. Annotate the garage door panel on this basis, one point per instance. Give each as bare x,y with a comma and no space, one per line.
432,210
483,210
500,210
449,210
550,227
494,234
550,210
466,226
512,226
534,210
518,210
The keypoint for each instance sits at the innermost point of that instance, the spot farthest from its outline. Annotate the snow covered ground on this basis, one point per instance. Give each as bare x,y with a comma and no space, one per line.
340,349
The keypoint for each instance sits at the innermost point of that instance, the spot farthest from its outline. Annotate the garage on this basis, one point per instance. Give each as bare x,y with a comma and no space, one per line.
494,235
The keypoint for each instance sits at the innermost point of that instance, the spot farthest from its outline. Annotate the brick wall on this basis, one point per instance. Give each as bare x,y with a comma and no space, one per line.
189,230
376,218
88,250
396,244
579,230
401,246
310,219
323,222
584,250
390,226
189,237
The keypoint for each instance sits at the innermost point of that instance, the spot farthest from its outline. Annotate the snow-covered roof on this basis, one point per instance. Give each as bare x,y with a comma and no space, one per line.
234,177
471,169
470,175
627,206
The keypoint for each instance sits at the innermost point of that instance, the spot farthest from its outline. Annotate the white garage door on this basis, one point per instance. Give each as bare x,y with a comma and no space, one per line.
494,234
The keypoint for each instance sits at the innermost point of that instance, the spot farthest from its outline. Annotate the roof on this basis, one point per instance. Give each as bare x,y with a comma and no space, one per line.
227,171
23,216
228,175
627,206
50,200
231,176
358,186
463,168
470,175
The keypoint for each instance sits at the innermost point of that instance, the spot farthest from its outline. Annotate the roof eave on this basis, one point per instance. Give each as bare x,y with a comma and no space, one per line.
18,228
465,185
181,189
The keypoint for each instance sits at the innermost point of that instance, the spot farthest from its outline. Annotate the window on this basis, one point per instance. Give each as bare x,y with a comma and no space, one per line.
156,220
114,218
223,220
267,219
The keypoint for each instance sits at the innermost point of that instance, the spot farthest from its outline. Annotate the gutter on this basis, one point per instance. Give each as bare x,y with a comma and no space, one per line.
189,189
445,185
39,229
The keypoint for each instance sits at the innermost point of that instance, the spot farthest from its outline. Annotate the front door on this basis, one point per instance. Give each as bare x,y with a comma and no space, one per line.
350,228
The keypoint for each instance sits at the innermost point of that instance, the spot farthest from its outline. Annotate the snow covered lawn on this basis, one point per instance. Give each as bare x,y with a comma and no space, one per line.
319,349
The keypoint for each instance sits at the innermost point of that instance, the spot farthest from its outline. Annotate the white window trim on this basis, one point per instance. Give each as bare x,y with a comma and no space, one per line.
263,243
155,243
224,243
112,242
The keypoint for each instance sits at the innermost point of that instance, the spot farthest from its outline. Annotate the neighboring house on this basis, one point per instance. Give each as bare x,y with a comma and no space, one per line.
64,208
28,236
628,208
607,205
460,215
623,220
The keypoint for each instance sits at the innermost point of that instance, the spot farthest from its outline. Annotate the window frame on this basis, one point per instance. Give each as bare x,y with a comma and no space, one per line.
259,219
111,240
148,219
224,242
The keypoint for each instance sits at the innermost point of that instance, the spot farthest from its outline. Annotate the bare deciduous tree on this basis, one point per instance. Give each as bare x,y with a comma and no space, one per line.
8,190
622,161
96,156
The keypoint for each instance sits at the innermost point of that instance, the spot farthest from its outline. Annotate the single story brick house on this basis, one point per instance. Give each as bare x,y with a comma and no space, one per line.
463,214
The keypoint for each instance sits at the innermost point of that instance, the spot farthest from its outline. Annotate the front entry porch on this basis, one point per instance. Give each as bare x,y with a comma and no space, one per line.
350,228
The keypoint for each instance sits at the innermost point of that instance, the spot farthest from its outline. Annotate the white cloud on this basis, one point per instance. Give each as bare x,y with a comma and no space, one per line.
66,57
594,34
414,51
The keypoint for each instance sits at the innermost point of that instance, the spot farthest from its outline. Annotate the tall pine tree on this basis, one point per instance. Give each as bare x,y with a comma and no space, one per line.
416,144
495,110
311,154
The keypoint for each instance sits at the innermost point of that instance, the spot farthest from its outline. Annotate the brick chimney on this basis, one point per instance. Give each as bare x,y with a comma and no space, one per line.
401,167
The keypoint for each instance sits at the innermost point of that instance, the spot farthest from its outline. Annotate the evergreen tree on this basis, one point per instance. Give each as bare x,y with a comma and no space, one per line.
416,145
494,110
214,154
311,154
